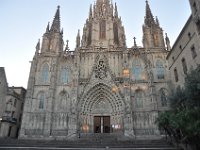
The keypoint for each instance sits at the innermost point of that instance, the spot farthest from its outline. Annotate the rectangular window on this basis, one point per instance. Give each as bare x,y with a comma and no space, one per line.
193,51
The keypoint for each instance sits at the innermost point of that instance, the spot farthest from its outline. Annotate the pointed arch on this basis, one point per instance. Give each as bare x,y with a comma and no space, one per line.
138,72
102,29
45,73
98,94
64,75
41,98
139,98
163,97
63,100
160,69
115,31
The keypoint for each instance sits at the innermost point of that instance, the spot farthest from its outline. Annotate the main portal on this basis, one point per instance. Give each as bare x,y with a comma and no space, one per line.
102,124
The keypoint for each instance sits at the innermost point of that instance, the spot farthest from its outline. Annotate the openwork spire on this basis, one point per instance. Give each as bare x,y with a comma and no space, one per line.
56,22
149,19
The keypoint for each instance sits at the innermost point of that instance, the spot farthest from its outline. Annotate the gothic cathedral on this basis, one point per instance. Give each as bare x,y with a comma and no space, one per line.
100,87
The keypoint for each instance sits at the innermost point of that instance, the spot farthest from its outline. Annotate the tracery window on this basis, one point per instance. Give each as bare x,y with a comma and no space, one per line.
139,98
41,98
64,76
137,70
63,100
160,70
115,31
45,73
102,26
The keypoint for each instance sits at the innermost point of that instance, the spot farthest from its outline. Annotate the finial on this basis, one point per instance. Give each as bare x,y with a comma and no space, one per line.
135,44
78,39
67,46
38,46
47,29
157,21
61,31
167,41
55,27
116,11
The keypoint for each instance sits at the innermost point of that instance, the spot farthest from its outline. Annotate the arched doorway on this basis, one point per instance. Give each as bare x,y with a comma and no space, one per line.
101,110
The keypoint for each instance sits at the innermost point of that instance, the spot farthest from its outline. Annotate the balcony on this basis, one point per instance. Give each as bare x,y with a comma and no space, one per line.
9,119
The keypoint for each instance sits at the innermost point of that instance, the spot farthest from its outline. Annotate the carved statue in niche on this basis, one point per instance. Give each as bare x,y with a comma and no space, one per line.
102,11
100,70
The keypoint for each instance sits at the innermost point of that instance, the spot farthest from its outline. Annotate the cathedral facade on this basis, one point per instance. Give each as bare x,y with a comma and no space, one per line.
100,87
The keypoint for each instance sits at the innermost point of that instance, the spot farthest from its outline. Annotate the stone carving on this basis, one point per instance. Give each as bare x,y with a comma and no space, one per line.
100,70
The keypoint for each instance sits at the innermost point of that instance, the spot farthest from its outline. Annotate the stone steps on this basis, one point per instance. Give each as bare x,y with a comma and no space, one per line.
88,142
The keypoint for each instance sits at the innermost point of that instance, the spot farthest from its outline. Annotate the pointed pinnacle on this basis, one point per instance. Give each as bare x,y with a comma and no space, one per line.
116,11
47,29
149,17
56,22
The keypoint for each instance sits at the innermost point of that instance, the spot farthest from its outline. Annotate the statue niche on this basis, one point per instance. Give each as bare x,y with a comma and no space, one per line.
100,70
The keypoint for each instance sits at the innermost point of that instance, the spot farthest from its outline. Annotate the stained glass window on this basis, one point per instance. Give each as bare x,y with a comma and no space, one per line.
64,75
160,70
45,73
137,71
41,98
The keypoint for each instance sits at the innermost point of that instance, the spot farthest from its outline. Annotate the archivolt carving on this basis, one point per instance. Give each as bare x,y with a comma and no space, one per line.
99,94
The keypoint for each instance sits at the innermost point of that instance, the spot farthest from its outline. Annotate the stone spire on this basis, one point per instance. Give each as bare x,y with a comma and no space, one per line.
38,46
47,29
78,39
116,11
167,41
149,19
56,22
90,13
152,32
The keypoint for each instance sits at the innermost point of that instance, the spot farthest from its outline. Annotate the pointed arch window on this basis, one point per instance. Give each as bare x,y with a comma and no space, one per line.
163,97
137,70
139,98
45,73
64,100
41,98
115,31
102,31
160,70
176,75
184,65
64,76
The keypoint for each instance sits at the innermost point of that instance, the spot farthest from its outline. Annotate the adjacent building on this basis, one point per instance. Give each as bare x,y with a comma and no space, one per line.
100,87
12,100
185,53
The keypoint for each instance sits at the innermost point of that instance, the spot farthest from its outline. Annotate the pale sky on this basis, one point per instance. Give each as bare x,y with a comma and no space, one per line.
23,22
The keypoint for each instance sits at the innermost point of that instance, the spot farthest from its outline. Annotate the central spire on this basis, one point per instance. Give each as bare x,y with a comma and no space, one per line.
103,1
103,26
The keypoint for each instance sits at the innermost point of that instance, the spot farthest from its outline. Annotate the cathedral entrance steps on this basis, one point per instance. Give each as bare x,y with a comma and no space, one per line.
91,144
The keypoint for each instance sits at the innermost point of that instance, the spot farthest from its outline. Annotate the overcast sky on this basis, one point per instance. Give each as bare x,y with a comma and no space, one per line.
23,22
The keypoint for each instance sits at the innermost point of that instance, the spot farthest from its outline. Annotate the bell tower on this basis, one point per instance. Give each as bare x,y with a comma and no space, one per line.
103,26
152,32
53,37
195,7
